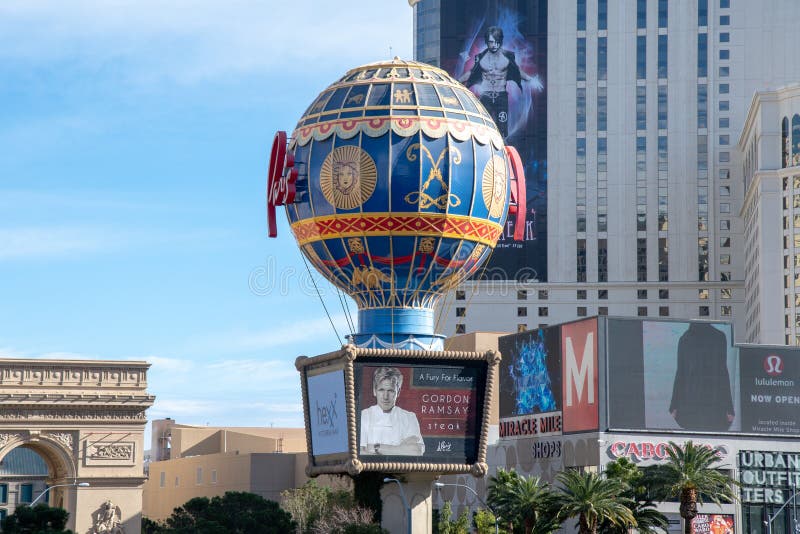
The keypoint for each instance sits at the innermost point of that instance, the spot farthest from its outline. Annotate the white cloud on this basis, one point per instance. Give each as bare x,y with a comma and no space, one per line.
38,242
189,41
11,353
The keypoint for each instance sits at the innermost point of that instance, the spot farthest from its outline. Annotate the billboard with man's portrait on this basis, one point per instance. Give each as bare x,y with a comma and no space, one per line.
399,411
499,51
424,411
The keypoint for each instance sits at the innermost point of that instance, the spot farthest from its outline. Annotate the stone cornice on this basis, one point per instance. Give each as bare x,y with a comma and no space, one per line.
71,374
75,399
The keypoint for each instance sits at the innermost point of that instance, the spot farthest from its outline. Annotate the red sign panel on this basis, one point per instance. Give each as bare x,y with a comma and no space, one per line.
579,376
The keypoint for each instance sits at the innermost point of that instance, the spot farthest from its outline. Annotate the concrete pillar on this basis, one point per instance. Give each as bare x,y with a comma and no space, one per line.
417,490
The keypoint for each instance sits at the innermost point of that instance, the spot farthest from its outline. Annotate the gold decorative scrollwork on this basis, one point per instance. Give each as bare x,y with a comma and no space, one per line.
421,197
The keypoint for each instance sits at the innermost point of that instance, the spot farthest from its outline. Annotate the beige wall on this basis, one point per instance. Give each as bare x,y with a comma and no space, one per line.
480,342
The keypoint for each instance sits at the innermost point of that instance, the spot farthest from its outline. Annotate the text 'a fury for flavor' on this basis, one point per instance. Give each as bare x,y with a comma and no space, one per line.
547,424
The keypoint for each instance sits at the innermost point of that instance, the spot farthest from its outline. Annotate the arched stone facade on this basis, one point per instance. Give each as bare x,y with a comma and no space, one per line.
86,419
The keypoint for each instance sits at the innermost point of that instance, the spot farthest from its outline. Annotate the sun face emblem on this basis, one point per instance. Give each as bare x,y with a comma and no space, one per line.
494,186
348,177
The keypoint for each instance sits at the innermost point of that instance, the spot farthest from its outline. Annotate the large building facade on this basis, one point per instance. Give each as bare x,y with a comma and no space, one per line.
639,183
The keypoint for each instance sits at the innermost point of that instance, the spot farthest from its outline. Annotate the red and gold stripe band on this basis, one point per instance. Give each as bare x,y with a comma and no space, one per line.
399,224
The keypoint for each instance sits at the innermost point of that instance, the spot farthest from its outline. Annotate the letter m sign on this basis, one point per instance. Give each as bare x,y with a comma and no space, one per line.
579,375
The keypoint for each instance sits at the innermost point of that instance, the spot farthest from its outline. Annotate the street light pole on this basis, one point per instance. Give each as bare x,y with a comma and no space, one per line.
769,520
47,490
402,496
440,485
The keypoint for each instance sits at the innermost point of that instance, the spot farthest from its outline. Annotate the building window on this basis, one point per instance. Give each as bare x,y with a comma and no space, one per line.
602,294
725,311
461,312
3,493
460,328
162,481
522,327
724,72
25,493
702,106
602,109
724,20
581,22
724,4
662,107
725,276
702,294
602,14
581,311
641,14
581,260
641,294
641,260
663,311
725,190
460,294
213,476
663,294
662,13
641,311
724,122
581,59
602,310
199,476
602,58
704,311
522,294
3,513
602,260
662,56
522,311
702,55
543,294
641,107
543,312
641,57
725,259
663,260
581,294
724,242
580,110
724,37
702,12
725,293
724,54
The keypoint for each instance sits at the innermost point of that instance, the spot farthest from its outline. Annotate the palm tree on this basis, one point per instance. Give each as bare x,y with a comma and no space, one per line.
691,474
592,498
526,502
648,519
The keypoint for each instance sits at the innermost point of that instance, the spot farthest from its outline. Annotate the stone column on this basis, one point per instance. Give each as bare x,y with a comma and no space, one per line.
417,490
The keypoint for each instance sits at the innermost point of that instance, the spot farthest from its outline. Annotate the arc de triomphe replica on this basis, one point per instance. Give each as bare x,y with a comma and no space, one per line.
86,418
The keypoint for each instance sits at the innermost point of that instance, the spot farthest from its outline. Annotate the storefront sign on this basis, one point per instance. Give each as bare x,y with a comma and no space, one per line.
767,477
647,450
525,426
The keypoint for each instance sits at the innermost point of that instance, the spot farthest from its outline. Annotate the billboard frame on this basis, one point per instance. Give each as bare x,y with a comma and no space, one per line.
351,462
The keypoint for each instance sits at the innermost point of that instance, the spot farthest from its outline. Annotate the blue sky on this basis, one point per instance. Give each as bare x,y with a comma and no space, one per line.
134,139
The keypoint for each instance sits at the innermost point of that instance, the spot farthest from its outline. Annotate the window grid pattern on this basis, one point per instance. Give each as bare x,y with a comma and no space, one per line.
702,142
602,184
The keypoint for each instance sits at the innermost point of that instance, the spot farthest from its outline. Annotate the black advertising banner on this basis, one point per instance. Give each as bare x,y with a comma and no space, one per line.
685,375
418,412
499,50
770,390
530,383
